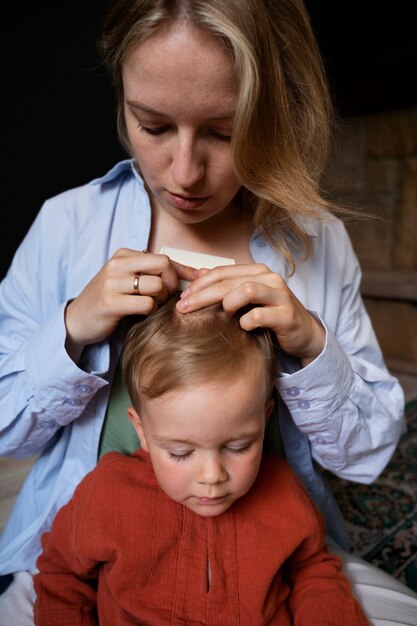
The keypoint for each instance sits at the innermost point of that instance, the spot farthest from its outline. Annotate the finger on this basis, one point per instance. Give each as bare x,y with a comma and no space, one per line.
185,272
244,288
123,252
147,285
168,280
253,293
262,317
138,305
202,271
222,273
158,265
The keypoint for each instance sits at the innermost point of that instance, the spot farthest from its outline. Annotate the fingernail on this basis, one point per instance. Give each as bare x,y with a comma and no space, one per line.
185,293
182,305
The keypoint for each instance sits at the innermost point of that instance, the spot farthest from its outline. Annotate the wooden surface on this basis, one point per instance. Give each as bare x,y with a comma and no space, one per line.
390,284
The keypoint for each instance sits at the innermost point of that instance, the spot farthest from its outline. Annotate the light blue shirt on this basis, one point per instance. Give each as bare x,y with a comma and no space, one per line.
343,412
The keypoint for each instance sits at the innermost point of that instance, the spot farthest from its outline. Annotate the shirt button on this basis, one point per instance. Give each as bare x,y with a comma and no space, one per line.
295,445
260,241
303,404
319,440
293,392
83,388
73,401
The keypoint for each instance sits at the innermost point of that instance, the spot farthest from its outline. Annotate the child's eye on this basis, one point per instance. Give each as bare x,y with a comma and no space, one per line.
153,131
240,450
179,456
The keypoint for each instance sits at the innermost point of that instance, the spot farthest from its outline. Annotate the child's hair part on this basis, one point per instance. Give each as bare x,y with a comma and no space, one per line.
168,350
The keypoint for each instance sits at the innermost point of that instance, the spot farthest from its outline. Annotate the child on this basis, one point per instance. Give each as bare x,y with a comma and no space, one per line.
198,526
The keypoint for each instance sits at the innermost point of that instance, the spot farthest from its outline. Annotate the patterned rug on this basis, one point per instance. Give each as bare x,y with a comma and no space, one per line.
382,517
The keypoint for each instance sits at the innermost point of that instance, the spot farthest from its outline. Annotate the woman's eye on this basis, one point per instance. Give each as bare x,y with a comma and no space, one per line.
155,131
220,136
152,131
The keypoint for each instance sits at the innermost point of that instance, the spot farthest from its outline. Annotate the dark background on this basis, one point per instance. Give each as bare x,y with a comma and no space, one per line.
58,128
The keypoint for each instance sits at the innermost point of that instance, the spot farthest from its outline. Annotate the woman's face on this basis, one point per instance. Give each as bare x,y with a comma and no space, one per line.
180,99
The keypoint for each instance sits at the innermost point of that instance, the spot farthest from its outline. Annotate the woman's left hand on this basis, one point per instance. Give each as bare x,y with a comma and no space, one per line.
274,305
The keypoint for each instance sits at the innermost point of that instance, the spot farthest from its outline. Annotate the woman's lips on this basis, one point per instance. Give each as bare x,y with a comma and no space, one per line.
186,203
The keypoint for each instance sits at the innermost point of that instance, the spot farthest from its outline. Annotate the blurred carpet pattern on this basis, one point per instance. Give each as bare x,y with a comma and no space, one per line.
382,517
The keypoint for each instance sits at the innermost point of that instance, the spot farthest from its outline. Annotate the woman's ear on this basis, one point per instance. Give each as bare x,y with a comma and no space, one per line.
268,409
138,426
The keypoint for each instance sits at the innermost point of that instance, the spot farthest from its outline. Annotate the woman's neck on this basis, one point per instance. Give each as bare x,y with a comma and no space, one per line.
226,235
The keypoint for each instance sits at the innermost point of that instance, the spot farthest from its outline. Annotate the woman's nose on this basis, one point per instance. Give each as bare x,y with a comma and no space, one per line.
188,166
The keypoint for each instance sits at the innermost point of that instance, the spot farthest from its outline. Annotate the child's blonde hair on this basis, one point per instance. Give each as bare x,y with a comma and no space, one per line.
169,350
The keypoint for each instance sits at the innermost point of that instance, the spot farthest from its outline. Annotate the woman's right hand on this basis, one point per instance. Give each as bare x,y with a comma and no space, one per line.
94,314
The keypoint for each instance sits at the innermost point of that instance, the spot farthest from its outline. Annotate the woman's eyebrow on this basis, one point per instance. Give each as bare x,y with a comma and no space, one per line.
135,104
138,105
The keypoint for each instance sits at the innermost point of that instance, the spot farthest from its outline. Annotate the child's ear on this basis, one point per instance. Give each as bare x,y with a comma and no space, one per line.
268,409
138,426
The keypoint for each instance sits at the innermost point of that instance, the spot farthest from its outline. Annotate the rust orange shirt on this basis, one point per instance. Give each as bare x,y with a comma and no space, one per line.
122,552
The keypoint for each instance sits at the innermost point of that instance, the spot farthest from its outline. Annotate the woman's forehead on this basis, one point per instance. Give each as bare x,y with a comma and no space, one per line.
191,58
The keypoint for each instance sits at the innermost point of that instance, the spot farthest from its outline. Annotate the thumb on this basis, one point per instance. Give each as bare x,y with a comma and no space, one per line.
185,272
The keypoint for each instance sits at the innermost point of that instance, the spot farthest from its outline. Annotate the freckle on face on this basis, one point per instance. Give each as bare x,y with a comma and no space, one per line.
152,72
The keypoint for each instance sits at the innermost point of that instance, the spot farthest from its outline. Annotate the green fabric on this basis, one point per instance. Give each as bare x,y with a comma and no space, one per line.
118,433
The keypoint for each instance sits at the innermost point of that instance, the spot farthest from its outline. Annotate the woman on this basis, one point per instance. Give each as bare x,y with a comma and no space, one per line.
224,110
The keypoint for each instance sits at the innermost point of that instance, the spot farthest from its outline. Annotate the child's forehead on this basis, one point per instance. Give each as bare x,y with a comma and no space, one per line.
175,371
209,414
223,390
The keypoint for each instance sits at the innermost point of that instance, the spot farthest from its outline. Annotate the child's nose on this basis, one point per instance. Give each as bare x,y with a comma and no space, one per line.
211,470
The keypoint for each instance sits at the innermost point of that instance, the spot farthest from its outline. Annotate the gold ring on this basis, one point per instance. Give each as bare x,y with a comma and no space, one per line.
136,284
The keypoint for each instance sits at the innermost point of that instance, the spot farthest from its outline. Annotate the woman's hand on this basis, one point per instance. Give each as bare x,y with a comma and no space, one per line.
274,305
110,295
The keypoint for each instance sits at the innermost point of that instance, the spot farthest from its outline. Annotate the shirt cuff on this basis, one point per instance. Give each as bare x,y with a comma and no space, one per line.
60,388
313,393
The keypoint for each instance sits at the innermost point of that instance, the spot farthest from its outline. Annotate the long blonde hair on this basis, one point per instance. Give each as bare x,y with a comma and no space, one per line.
282,128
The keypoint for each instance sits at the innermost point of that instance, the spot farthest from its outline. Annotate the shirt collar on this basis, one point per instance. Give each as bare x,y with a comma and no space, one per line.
125,166
309,225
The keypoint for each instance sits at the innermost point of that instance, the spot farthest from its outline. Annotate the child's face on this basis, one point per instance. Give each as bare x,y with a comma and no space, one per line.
205,441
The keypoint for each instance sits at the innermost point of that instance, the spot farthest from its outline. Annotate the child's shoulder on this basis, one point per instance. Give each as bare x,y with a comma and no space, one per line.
274,465
113,467
276,474
111,458
278,488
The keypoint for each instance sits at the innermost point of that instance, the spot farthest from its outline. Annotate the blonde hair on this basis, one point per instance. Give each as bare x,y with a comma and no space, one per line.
168,350
281,133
